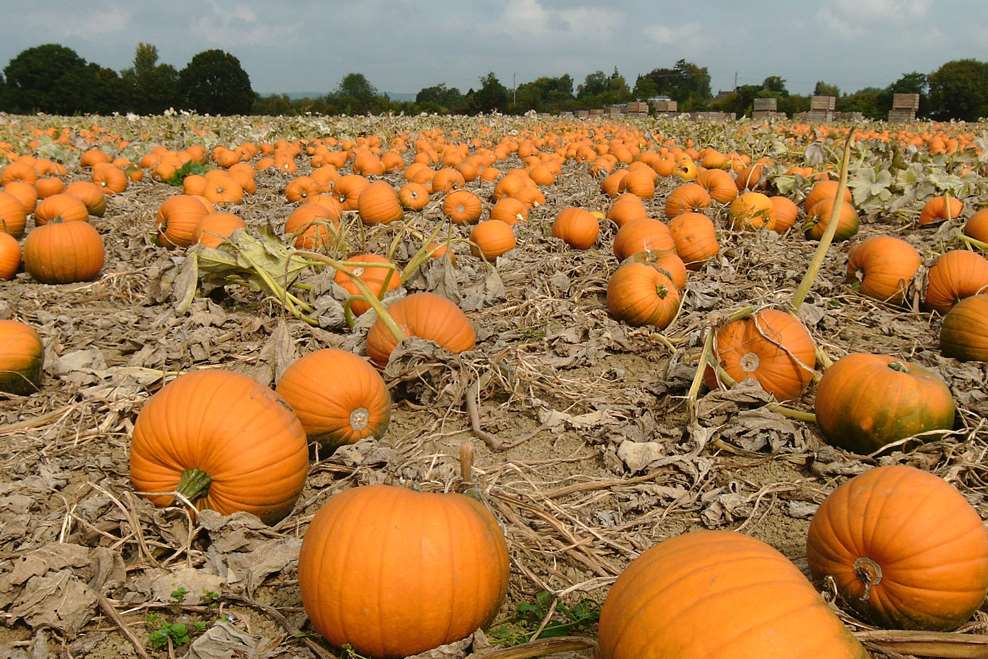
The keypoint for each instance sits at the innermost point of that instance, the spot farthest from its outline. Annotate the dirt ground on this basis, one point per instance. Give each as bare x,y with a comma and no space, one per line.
599,460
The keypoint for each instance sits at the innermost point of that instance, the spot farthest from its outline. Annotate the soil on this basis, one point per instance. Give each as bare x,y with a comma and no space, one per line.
562,384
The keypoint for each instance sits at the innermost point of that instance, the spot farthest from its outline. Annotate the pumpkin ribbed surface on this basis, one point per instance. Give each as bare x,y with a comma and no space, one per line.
64,253
887,266
22,357
964,333
427,316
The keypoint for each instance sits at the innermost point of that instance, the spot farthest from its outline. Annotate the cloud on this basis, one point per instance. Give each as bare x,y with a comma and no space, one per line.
83,22
221,24
854,18
667,35
531,18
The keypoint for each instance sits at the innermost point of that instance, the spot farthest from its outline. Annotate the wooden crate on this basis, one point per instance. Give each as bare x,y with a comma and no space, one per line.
818,116
767,114
582,114
637,107
765,105
905,102
902,116
666,106
823,103
597,112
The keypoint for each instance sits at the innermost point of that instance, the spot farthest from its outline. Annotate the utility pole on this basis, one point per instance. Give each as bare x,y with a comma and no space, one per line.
735,81
514,89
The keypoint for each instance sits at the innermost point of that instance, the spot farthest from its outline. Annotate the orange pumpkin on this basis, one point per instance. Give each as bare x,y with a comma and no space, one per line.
686,198
611,185
379,204
576,227
718,184
886,267
61,207
667,262
299,189
509,210
313,226
392,572
215,228
13,219
47,187
380,280
177,219
752,210
639,294
24,193
413,196
954,276
642,235
64,252
964,333
22,357
819,216
111,179
904,548
492,238
625,208
695,238
222,188
462,207
824,191
785,213
223,441
338,397
771,347
751,177
90,194
940,209
10,256
977,226
447,179
639,182
663,603
427,316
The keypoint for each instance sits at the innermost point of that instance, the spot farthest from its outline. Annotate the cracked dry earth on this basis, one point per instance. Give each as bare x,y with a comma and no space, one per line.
599,460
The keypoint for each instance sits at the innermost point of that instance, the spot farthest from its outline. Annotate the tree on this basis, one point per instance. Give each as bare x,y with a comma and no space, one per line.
867,101
440,98
544,94
356,95
775,84
37,76
214,82
491,96
154,86
599,89
686,83
826,89
959,90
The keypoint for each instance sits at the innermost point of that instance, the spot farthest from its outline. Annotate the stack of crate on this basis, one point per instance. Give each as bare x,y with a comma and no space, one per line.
765,108
662,107
822,109
713,116
597,112
637,107
615,110
582,114
904,107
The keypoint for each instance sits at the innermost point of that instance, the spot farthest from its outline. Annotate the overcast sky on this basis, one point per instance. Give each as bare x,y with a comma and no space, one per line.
404,45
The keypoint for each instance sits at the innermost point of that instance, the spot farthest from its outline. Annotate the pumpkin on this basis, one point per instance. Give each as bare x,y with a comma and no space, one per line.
751,177
13,218
642,235
752,210
338,397
639,294
22,357
379,204
462,207
492,238
223,441
626,208
718,184
954,276
824,190
639,182
89,194
785,212
62,207
18,171
612,184
577,227
665,602
977,226
299,189
92,157
49,186
10,256
413,196
939,209
667,262
819,217
222,188
964,333
177,219
447,179
378,280
771,347
111,179
326,176
864,402
427,316
685,169
509,210
393,572
214,228
886,267
685,199
64,253
24,193
904,548
695,238
313,226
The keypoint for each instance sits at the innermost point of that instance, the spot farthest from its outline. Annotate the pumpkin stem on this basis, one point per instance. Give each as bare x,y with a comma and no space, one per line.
194,484
828,236
662,291
899,367
870,573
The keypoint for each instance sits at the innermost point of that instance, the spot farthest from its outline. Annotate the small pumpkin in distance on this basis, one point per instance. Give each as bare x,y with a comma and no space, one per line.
224,441
427,316
663,603
338,397
886,267
695,238
626,208
964,333
393,572
577,227
687,198
904,548
865,401
22,357
492,238
752,210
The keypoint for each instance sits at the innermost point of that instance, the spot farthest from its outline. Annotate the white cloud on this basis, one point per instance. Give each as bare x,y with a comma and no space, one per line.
84,22
854,18
666,35
221,24
531,18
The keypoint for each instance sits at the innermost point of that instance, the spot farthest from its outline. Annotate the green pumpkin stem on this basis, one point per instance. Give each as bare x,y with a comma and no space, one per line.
194,484
899,367
870,573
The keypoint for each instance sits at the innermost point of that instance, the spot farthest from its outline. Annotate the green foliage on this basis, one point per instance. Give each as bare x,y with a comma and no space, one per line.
161,631
350,653
179,594
491,96
544,94
959,90
154,86
826,89
55,79
686,83
565,620
188,169
214,82
440,98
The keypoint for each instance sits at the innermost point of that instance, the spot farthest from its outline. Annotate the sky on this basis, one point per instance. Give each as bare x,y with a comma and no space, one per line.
405,45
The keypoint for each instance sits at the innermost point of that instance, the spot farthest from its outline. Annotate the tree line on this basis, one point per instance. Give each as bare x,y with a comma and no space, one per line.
55,79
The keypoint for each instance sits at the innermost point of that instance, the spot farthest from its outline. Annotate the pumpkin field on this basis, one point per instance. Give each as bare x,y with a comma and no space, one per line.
493,387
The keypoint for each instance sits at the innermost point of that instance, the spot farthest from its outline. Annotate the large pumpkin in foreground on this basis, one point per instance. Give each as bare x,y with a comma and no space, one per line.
393,572
223,441
64,253
21,358
964,333
864,402
719,595
903,547
427,316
